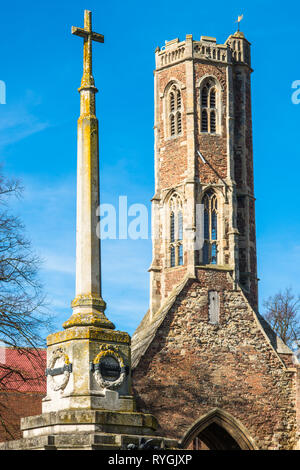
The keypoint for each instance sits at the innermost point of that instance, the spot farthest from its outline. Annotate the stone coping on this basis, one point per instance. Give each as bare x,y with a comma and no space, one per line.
78,417
86,441
224,267
89,332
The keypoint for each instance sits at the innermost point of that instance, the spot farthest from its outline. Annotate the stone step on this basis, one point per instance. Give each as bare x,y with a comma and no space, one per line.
105,447
105,439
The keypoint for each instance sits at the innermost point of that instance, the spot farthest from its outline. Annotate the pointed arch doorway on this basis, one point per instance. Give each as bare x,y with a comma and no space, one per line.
217,430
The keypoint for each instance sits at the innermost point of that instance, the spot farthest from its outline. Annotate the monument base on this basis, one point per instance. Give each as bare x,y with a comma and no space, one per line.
87,430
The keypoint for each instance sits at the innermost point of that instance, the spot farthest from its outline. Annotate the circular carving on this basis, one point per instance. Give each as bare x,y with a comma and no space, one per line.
57,355
109,359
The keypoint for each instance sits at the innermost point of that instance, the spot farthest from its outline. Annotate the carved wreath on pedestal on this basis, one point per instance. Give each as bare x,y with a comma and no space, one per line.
58,354
114,353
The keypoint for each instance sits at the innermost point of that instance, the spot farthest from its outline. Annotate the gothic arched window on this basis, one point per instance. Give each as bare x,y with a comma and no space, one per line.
210,221
174,111
204,97
176,231
208,106
204,121
213,122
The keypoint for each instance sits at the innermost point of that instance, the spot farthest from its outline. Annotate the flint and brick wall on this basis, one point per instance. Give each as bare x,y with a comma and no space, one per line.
193,366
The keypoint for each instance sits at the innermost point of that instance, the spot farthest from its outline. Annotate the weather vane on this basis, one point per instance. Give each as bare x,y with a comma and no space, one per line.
239,20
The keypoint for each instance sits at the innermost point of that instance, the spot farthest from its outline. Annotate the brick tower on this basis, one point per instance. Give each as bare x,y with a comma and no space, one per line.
203,164
206,364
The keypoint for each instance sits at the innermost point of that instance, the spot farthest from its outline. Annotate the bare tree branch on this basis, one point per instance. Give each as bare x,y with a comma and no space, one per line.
282,312
24,318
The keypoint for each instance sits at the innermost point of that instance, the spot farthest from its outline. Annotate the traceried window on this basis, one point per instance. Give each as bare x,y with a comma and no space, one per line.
176,231
208,107
174,111
210,215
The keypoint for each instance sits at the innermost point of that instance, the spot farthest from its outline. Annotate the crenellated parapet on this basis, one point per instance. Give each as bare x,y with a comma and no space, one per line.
235,50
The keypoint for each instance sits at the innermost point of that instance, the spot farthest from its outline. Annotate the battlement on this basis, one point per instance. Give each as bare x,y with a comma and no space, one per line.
235,50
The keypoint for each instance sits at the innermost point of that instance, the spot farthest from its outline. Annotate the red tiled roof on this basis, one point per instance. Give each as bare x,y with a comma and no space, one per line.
22,370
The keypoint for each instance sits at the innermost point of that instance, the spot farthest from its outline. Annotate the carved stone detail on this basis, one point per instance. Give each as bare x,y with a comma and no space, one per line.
109,351
58,354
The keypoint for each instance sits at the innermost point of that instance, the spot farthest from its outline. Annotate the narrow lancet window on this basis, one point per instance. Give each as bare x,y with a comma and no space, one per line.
172,102
178,99
204,97
212,99
212,122
204,121
176,231
205,253
175,111
208,107
180,255
172,124
172,227
173,258
180,227
210,225
213,253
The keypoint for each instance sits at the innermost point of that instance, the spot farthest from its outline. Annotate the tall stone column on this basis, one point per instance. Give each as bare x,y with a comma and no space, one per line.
88,305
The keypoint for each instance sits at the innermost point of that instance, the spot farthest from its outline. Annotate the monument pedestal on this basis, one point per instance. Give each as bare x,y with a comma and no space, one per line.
88,368
89,404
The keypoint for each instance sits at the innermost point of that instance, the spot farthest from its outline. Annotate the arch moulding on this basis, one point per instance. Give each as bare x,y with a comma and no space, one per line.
225,420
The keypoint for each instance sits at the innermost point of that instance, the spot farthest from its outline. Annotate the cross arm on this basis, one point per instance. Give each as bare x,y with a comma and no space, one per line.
84,34
79,32
97,37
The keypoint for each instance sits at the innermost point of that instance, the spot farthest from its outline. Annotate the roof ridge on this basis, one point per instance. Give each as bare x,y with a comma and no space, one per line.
141,342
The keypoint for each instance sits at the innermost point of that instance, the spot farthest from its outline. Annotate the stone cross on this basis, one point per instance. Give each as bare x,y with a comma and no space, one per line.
88,35
88,305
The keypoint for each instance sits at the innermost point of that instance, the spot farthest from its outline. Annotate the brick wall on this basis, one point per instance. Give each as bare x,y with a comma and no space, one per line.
173,163
13,407
213,147
22,387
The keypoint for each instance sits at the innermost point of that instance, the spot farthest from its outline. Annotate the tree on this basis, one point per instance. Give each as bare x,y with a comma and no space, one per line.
282,312
24,319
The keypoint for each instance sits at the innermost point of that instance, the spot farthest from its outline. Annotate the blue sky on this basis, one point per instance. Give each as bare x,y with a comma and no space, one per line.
42,68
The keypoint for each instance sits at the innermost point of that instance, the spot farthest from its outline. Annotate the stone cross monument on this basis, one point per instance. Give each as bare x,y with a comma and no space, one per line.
89,403
88,305
100,378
